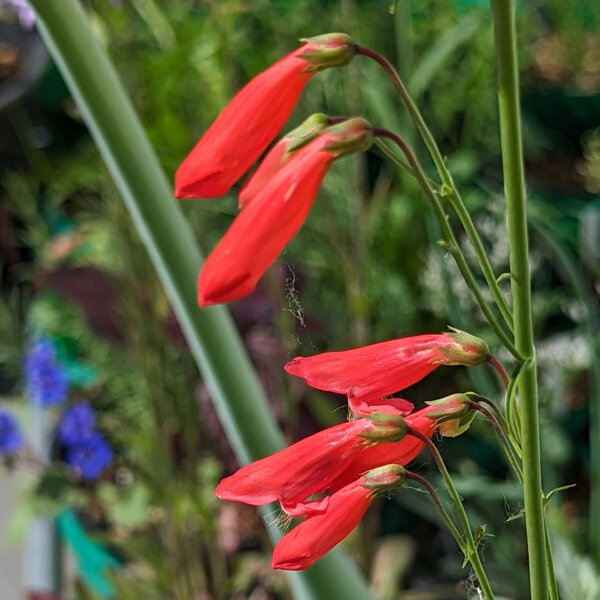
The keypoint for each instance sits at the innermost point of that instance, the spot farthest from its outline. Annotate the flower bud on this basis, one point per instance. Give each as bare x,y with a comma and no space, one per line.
352,135
386,428
453,414
384,478
328,50
469,350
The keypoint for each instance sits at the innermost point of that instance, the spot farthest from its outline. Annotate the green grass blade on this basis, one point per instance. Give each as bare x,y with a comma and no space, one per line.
210,333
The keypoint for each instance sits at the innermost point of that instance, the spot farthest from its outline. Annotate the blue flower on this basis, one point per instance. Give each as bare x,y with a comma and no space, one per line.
90,458
46,381
77,424
11,438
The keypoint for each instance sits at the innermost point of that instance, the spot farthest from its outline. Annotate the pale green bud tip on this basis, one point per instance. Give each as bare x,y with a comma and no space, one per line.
468,350
385,428
328,50
352,135
384,478
307,131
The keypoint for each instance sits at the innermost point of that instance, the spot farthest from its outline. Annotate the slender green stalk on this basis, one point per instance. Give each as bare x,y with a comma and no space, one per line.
471,553
210,333
516,216
451,241
503,440
441,510
590,320
450,190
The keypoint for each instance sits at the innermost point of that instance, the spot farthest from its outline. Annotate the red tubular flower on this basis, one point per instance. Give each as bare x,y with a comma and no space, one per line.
368,374
248,124
306,467
261,231
321,531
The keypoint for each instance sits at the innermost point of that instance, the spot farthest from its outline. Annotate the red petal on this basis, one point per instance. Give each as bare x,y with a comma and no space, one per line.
320,532
372,372
298,471
270,164
261,231
243,130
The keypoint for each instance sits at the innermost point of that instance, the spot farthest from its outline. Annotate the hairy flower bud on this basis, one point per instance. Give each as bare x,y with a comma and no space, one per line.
386,428
384,478
469,350
352,135
453,414
327,50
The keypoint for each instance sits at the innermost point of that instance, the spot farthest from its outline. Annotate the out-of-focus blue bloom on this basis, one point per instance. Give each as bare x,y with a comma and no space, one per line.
11,438
23,11
77,424
46,381
89,459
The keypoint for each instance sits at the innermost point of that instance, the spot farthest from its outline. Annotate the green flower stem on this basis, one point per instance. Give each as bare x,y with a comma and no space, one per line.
210,333
494,362
451,241
472,554
516,215
440,508
503,440
450,189
552,585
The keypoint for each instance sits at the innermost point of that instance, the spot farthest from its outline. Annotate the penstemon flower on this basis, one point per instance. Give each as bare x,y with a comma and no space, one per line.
322,530
306,467
249,123
263,228
369,373
90,458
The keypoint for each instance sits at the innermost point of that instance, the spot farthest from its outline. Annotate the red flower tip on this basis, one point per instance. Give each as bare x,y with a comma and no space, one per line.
320,532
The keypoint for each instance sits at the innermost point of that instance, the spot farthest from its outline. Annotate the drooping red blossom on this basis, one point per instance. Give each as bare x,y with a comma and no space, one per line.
264,227
305,468
252,119
279,154
368,374
321,531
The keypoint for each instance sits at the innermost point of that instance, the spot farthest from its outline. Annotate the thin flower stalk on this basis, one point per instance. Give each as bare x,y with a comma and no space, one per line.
472,555
449,188
451,241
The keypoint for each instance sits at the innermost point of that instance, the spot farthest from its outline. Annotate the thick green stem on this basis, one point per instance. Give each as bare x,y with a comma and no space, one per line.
516,216
446,177
451,241
210,333
471,553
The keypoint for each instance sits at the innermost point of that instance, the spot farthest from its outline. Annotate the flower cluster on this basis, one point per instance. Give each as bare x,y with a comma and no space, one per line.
331,477
46,381
11,437
277,198
88,452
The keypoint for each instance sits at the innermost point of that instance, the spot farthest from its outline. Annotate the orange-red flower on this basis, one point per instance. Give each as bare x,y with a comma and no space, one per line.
263,228
368,374
249,123
322,530
306,467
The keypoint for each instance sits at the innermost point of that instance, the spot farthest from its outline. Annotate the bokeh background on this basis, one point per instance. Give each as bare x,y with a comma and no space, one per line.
365,267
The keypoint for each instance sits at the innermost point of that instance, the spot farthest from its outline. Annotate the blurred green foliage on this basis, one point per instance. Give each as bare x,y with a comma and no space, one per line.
364,268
